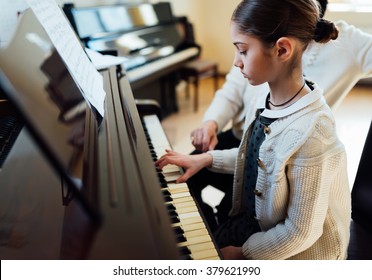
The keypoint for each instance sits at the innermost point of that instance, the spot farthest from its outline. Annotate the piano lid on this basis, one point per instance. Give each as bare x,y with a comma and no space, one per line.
100,21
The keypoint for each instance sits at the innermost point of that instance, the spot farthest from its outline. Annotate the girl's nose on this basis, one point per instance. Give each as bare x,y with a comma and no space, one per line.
239,65
237,62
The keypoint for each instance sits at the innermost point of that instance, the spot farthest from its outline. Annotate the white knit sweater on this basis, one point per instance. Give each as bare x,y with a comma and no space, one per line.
336,67
304,203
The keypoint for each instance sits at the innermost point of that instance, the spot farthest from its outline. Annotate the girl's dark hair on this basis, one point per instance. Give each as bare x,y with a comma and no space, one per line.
270,20
322,7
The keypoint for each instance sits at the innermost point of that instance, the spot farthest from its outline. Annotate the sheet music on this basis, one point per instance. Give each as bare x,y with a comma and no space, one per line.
101,61
70,49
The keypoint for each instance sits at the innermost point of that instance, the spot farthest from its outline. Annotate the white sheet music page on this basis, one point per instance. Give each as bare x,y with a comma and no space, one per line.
70,49
101,61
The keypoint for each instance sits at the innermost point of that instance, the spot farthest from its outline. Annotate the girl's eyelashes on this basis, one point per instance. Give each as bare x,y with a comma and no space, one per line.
240,49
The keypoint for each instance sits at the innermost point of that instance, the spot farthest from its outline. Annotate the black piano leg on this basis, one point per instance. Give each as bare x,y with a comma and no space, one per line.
172,91
168,93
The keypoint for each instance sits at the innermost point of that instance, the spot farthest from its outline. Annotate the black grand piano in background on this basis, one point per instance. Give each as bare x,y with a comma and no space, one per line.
154,41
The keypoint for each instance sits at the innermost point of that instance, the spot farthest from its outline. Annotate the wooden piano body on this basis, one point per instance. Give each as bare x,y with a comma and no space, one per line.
155,43
100,198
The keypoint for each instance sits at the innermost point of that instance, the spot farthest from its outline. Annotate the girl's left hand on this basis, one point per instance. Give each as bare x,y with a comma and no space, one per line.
232,253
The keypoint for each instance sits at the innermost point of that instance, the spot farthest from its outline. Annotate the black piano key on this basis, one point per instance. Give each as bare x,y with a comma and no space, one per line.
171,207
166,193
180,238
178,230
174,219
172,212
186,257
163,183
185,253
167,197
161,178
10,127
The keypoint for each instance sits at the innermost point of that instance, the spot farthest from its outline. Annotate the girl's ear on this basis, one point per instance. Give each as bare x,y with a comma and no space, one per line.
285,48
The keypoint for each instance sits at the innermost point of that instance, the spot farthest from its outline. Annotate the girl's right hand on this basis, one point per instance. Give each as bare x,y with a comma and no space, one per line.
191,163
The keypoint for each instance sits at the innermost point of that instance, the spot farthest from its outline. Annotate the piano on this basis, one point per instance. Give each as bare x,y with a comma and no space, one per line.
82,186
154,42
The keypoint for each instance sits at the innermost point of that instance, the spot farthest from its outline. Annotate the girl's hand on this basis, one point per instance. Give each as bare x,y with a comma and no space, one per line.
232,253
191,163
205,138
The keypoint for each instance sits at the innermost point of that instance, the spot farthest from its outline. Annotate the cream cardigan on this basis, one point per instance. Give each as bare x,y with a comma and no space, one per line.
303,197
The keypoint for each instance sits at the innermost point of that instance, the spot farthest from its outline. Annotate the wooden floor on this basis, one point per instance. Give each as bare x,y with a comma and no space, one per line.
353,118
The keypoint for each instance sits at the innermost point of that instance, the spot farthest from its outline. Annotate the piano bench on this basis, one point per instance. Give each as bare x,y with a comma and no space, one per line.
196,70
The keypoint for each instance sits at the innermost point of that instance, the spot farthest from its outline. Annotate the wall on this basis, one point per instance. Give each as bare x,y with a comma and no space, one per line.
211,19
216,33
9,13
358,15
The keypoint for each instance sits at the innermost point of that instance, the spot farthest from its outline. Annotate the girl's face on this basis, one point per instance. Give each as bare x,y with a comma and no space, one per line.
256,62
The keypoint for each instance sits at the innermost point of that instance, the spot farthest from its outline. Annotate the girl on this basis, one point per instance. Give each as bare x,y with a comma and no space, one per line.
291,198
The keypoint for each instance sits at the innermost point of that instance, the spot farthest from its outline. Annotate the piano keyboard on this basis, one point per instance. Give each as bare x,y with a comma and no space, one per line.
193,238
10,127
153,67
